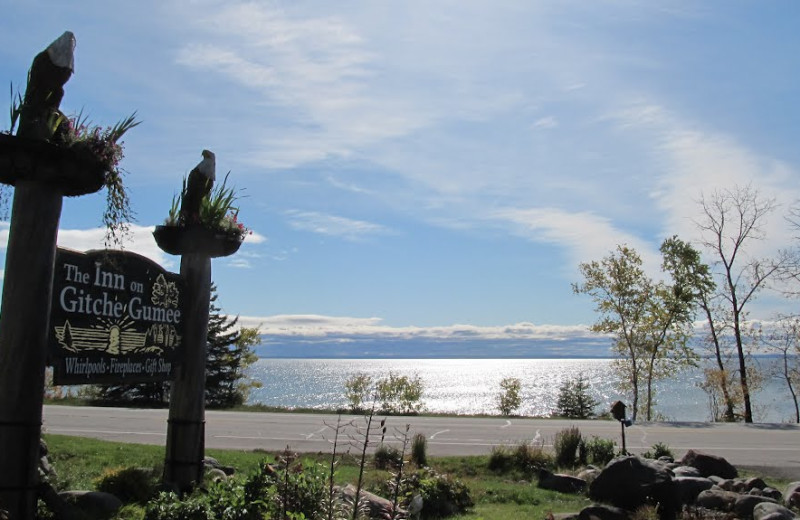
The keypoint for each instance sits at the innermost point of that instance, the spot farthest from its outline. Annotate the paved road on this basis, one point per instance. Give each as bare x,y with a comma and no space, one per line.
771,445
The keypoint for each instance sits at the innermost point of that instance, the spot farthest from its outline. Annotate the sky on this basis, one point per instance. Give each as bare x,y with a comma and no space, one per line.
431,168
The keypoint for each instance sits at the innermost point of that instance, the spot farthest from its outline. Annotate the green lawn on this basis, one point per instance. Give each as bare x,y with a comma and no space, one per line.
79,462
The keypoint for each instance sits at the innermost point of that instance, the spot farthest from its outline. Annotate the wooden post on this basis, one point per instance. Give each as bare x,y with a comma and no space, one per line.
186,427
27,293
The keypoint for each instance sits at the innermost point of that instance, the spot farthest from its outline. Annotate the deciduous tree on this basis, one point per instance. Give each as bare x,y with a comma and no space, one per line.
650,320
732,219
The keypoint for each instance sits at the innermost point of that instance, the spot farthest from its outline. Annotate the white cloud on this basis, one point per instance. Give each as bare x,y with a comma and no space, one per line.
584,236
312,325
693,161
142,242
332,225
546,122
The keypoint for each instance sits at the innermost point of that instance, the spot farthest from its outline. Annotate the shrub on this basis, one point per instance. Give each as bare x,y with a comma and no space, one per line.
658,450
130,485
357,390
168,506
530,457
566,445
599,451
442,495
419,450
387,457
524,457
574,400
400,394
509,400
292,490
501,460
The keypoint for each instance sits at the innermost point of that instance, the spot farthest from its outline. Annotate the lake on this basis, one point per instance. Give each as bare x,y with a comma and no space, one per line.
470,386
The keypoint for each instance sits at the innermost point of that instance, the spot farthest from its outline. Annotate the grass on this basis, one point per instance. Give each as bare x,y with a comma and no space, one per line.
79,462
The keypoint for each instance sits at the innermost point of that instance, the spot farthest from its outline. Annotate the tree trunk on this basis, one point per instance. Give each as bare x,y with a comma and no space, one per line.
729,415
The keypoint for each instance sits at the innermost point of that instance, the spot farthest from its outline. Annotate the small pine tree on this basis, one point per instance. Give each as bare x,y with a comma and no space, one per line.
229,354
574,400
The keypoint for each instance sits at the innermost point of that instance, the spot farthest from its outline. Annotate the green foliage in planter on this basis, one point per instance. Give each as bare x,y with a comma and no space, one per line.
218,210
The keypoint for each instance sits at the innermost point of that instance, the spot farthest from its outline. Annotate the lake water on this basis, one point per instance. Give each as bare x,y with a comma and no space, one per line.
470,386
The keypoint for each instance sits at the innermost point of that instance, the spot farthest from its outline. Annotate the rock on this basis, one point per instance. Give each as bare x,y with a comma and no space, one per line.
743,507
601,512
562,516
666,459
754,483
690,487
791,496
211,462
770,511
772,493
686,471
727,485
709,464
589,474
379,507
717,499
215,475
94,504
561,483
631,482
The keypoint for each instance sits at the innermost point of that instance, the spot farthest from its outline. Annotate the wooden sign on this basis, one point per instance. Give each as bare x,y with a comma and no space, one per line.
116,318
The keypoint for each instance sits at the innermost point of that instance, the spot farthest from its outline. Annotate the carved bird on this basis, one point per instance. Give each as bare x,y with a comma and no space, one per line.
49,71
201,180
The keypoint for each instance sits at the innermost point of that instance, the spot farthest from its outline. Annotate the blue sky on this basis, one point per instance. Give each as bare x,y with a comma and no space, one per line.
431,168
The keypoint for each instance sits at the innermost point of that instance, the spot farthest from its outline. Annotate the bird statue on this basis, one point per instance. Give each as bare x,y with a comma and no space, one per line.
201,180
50,70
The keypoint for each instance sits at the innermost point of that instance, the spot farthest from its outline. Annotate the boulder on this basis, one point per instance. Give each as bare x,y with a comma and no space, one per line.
686,471
561,483
754,483
93,504
717,499
791,496
744,505
212,463
601,512
378,507
709,464
770,511
588,474
631,482
690,487
772,493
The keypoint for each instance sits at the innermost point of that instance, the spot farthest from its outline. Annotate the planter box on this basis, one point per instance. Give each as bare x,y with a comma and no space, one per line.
195,240
72,171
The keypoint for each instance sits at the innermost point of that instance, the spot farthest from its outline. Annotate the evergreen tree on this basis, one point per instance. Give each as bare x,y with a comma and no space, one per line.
229,354
574,400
